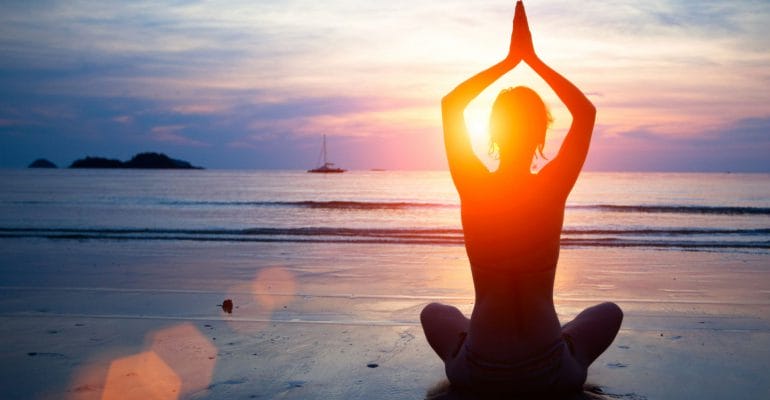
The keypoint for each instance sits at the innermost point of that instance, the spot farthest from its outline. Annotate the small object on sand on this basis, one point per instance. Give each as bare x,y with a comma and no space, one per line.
227,306
372,365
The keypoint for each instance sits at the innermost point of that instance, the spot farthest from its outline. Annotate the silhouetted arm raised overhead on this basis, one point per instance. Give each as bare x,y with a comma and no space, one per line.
564,169
464,166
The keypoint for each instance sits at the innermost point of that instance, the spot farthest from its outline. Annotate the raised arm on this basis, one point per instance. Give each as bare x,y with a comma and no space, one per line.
464,166
564,169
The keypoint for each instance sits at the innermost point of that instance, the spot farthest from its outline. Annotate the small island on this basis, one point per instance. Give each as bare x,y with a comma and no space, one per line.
97,162
42,163
146,160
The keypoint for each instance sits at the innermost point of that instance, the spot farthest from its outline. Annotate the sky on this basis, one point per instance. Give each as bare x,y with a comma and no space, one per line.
678,85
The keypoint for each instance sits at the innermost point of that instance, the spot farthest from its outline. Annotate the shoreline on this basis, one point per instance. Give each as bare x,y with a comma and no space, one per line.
309,318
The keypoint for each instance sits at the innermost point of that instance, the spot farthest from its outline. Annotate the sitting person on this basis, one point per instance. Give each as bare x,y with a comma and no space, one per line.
512,220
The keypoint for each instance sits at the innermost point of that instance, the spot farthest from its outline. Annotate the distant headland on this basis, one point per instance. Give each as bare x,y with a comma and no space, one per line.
42,163
148,160
140,161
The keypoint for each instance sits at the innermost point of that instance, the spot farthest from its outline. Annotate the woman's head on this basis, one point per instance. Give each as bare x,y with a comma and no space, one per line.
518,123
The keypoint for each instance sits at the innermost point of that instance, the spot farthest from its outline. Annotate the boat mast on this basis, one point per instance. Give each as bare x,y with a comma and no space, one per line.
324,151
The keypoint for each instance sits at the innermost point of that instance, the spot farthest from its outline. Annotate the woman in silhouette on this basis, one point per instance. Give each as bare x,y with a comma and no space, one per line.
512,219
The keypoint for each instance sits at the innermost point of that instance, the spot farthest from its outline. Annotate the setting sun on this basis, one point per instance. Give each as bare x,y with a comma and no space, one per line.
477,123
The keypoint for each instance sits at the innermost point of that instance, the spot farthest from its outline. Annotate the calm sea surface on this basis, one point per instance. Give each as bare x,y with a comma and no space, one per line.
718,212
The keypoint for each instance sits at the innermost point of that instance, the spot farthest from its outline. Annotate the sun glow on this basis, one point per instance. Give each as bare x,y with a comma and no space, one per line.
477,124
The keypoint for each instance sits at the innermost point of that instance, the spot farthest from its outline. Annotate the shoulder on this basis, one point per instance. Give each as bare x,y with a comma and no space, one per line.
556,179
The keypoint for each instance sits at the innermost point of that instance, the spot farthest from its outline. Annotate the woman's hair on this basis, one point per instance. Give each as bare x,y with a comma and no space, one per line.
519,110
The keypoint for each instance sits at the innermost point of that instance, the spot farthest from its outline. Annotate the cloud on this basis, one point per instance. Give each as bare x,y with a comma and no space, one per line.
171,134
741,145
273,74
123,119
199,108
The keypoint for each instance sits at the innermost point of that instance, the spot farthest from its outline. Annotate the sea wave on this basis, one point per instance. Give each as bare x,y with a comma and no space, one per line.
395,205
660,238
674,209
385,205
332,204
353,205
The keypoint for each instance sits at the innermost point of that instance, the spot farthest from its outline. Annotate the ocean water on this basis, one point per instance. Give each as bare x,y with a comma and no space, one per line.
714,212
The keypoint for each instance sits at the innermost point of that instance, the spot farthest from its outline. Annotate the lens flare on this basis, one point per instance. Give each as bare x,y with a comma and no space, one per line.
271,290
141,376
188,353
176,362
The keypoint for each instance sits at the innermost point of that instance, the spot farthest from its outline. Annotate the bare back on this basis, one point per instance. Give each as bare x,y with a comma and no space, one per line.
512,235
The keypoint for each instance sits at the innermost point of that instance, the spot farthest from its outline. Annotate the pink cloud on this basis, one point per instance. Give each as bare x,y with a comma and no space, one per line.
198,109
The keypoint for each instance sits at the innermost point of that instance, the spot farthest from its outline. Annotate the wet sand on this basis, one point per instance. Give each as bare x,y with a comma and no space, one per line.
92,319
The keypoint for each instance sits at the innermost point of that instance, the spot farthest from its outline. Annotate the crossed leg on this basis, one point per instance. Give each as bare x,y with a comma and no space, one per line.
588,336
592,331
444,327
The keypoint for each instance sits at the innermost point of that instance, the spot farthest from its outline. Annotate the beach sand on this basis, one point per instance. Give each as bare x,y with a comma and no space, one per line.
93,319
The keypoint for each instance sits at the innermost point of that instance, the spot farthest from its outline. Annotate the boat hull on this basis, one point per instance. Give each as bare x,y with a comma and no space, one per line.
326,170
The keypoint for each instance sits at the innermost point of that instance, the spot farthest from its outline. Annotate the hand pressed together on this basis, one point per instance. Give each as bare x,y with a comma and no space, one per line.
521,38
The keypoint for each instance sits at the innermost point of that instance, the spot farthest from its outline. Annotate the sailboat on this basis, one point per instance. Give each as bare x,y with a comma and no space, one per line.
327,167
